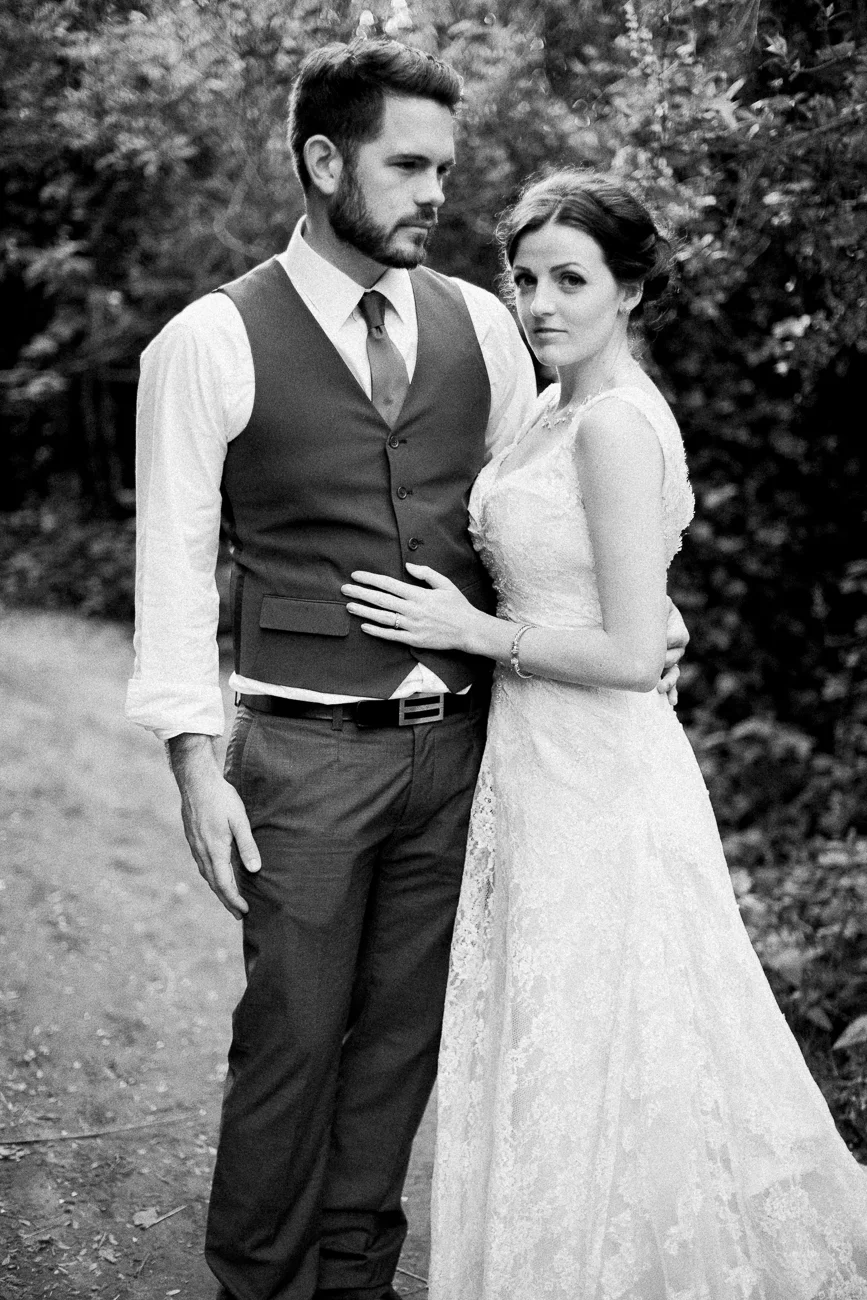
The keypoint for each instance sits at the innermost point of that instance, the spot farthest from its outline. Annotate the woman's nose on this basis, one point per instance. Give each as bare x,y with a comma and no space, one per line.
541,304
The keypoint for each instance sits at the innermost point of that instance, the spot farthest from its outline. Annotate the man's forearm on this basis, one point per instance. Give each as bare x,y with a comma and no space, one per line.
191,753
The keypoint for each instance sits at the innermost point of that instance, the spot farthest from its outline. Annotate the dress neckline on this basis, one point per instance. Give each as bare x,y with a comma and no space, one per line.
591,400
541,417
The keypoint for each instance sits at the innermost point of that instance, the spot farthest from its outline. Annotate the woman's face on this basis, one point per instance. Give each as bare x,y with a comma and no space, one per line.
569,303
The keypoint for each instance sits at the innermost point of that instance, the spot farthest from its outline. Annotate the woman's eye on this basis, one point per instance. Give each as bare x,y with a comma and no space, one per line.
572,281
522,281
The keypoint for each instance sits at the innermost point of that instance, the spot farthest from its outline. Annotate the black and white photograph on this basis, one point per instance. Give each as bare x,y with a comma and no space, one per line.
433,650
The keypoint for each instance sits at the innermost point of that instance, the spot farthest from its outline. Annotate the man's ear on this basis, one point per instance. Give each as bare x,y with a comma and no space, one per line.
324,163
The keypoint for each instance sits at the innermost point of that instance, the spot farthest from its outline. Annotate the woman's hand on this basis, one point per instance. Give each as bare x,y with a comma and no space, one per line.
677,639
434,618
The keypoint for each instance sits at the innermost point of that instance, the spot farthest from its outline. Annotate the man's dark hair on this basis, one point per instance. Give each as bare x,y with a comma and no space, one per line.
340,92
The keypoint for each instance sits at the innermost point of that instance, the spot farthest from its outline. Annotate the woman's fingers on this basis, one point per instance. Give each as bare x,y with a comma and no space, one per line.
384,616
385,633
430,576
379,598
382,581
423,616
403,589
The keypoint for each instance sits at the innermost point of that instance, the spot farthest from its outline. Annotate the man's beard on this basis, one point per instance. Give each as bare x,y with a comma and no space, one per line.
352,221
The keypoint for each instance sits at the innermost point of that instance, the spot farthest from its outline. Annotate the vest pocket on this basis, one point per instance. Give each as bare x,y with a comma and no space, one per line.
319,617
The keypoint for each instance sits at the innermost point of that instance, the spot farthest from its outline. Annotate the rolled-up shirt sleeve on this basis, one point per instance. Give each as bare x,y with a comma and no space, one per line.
195,394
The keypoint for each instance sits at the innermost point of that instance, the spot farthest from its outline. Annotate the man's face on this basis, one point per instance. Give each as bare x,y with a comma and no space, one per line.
387,199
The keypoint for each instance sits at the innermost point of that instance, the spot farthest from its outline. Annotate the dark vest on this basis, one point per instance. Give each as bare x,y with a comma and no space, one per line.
317,485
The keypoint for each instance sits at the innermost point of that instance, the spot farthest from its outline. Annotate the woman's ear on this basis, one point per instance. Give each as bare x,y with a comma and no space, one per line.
631,296
324,163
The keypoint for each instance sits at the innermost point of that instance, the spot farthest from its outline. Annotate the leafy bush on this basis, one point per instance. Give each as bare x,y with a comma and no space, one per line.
793,824
58,554
807,918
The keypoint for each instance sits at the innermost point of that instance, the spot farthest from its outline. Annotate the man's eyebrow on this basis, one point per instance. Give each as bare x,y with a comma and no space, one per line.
408,156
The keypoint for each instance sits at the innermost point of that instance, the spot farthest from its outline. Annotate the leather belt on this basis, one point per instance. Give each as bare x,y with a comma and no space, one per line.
408,712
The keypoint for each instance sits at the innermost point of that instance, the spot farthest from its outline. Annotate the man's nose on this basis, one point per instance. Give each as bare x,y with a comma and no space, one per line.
431,193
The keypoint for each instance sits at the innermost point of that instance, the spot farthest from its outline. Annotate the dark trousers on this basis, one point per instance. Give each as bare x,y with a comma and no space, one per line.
362,835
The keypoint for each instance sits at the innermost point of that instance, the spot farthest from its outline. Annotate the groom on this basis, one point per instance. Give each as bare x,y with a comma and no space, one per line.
336,402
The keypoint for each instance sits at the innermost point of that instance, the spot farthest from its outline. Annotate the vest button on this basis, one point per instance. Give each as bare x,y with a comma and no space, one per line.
394,441
414,543
402,493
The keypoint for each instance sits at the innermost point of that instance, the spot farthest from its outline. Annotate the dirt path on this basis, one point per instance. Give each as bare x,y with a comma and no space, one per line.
118,972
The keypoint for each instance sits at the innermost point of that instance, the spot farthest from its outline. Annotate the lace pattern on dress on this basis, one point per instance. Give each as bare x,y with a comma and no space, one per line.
623,1112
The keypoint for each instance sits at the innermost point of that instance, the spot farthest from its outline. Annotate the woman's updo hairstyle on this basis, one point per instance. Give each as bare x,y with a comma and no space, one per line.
635,251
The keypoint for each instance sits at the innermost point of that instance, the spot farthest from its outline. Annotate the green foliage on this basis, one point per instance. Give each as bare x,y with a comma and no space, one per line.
808,923
58,554
787,812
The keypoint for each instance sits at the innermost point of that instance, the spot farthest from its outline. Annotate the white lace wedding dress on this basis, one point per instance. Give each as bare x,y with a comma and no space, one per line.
623,1112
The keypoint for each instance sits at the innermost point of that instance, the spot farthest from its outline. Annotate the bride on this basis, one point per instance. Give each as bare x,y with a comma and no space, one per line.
623,1112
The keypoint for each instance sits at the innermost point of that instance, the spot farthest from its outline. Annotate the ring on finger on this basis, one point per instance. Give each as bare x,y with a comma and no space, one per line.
396,624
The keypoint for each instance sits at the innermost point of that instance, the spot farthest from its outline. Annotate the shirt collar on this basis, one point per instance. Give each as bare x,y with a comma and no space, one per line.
333,293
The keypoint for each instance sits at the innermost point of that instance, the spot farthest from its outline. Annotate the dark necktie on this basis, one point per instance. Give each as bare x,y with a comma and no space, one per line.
388,378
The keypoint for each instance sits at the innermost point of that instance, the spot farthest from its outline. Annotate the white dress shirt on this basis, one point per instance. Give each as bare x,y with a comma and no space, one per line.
195,396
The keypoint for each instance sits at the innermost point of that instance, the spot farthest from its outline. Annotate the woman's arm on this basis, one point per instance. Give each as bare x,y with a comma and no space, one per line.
620,468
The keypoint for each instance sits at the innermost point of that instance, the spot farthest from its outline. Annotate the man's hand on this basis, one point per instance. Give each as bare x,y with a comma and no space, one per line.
676,641
215,821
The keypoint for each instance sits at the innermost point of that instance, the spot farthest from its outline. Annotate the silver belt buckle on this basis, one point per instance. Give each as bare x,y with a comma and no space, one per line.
413,709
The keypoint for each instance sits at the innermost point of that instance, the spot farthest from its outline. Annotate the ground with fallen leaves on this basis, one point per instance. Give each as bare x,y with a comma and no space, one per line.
118,972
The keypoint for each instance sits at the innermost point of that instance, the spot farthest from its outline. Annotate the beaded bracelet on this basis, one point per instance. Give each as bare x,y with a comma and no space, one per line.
513,654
